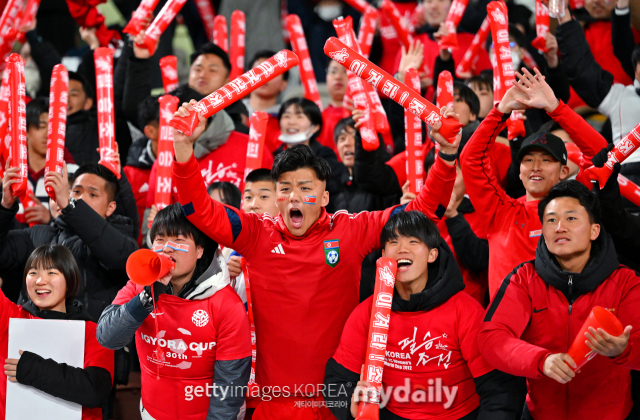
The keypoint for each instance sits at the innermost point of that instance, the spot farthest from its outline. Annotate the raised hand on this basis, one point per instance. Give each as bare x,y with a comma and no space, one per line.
11,176
411,59
445,146
37,213
182,144
606,344
510,101
537,91
60,185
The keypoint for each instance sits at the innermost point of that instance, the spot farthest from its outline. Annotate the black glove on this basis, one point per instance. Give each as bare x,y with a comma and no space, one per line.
600,158
158,289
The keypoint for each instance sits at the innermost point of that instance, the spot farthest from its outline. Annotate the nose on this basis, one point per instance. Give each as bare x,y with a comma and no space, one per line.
294,197
39,280
560,227
253,205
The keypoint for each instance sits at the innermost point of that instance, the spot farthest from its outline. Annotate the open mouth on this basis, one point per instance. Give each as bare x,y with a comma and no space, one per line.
349,154
296,217
292,131
171,258
43,292
404,264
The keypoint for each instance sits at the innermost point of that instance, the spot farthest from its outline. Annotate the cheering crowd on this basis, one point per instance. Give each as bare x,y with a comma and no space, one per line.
483,150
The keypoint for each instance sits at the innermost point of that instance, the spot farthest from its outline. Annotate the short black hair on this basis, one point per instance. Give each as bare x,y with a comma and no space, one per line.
229,193
58,257
111,186
171,221
211,48
514,33
411,224
297,157
259,175
482,80
149,111
467,96
86,85
572,188
35,108
635,57
340,126
265,54
185,94
308,108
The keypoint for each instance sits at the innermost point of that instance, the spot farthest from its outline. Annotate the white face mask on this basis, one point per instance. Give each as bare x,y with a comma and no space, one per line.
329,12
515,58
296,138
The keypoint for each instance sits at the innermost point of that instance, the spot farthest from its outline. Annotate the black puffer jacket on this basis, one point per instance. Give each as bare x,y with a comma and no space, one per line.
101,248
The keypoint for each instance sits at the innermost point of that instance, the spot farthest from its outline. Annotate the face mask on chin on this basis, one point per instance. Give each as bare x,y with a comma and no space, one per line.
296,138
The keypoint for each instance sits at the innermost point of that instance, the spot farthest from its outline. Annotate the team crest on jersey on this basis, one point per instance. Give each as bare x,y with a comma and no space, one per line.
200,318
332,252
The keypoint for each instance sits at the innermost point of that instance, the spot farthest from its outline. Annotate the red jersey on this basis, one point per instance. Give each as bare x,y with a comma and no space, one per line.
192,335
330,117
423,348
301,293
94,353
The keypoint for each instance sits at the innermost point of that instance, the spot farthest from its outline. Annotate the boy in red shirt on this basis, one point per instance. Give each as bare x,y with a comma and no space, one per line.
304,263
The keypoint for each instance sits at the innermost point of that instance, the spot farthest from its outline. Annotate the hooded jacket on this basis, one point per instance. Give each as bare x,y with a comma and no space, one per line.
200,334
540,308
101,249
432,336
88,386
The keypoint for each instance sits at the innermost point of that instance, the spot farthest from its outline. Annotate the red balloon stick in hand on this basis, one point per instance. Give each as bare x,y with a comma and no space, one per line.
103,58
140,17
444,93
453,20
18,121
169,70
220,34
618,154
386,269
299,44
367,30
542,26
7,24
58,98
236,89
207,14
398,92
160,24
413,138
168,106
255,146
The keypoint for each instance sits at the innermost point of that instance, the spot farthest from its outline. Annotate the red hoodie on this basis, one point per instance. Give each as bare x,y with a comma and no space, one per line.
301,295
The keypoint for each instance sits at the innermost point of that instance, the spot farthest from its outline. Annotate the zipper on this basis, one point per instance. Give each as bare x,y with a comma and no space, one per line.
570,283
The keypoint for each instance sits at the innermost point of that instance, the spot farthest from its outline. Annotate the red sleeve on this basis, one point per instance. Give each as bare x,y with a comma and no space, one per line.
352,349
127,293
628,314
500,162
505,320
469,318
487,196
234,334
583,135
227,226
94,353
8,310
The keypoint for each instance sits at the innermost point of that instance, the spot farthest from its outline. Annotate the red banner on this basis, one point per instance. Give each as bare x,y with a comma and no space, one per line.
367,30
58,99
390,87
255,146
103,58
142,14
299,44
386,269
168,105
618,154
444,93
220,35
453,20
542,26
236,89
169,70
465,68
413,138
206,12
160,24
18,122
236,55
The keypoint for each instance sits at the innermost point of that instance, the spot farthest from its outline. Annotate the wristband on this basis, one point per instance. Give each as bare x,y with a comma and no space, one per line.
446,156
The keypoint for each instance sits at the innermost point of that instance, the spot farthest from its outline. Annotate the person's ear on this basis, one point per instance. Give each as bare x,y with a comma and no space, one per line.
151,131
111,207
433,255
325,199
315,128
199,251
564,172
595,231
88,103
472,117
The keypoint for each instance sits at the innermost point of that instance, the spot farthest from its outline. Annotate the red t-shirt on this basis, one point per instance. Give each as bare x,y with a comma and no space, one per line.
330,117
423,348
178,361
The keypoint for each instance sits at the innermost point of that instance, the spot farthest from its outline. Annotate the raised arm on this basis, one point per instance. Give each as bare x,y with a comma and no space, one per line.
622,36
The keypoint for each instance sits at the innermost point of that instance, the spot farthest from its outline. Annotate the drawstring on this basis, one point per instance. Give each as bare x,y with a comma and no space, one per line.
159,354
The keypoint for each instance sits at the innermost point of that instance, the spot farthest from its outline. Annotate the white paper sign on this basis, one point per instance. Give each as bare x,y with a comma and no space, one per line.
62,341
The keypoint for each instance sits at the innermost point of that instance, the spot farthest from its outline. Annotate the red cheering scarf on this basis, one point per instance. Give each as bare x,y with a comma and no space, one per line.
299,44
103,58
59,94
169,70
237,89
413,139
236,55
453,20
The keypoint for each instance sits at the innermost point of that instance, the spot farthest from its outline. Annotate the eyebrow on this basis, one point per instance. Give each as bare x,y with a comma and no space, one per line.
566,212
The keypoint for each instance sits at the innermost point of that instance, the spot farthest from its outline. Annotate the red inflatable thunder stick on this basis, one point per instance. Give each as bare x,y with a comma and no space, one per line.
103,58
5,140
58,98
629,190
220,35
367,30
18,122
140,17
413,138
236,54
359,5
160,24
169,70
392,88
444,93
598,318
618,154
7,23
453,20
236,89
404,34
299,44
168,106
503,72
29,13
542,26
205,10
255,146
466,66
386,269
253,388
